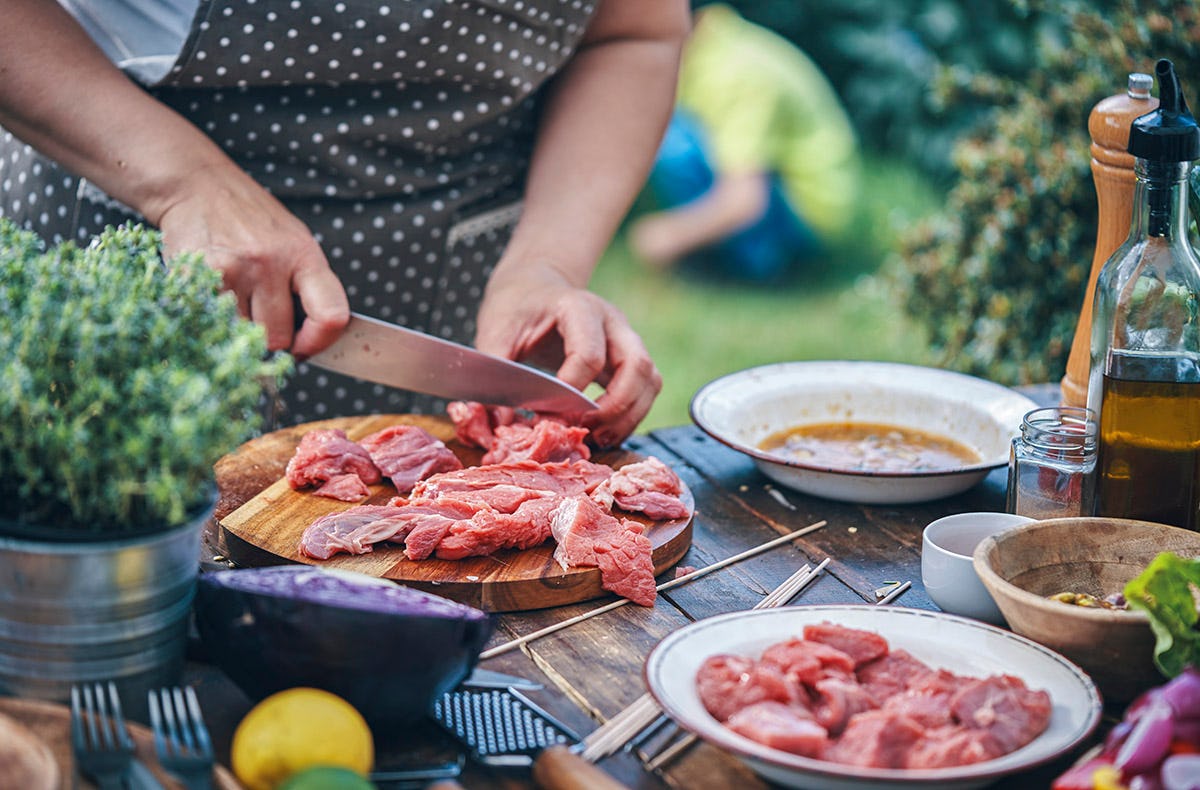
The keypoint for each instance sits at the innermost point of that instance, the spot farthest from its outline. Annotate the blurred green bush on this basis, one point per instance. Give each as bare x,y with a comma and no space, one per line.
998,275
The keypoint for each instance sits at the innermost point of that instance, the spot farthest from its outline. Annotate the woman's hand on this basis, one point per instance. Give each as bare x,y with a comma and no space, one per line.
264,253
534,314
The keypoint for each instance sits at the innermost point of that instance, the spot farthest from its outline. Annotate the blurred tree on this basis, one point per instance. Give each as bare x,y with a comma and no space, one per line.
883,57
999,274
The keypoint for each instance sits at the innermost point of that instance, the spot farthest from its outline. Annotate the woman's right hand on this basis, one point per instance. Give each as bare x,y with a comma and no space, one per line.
264,254
63,96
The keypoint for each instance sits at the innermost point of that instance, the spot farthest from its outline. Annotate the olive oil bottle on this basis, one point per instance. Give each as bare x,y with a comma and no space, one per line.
1144,379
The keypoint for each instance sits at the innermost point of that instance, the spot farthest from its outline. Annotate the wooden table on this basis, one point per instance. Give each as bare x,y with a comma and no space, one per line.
593,669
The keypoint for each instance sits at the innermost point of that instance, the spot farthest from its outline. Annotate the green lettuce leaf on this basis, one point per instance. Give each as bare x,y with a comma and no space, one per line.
1164,592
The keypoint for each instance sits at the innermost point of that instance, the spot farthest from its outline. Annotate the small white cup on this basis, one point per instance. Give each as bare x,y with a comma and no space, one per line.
947,569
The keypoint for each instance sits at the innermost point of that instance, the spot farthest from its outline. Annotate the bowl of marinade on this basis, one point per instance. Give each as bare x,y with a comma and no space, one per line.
860,431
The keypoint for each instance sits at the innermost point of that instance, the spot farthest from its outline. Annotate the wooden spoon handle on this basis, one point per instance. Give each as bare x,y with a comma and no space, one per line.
558,768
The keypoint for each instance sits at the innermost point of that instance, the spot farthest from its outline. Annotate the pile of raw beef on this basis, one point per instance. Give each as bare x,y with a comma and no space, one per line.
841,694
535,482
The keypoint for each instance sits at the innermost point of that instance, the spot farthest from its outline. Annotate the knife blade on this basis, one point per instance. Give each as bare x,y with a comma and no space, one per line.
487,678
400,357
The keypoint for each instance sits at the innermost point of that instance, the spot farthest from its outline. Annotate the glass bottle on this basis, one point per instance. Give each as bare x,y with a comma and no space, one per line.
1144,380
1052,465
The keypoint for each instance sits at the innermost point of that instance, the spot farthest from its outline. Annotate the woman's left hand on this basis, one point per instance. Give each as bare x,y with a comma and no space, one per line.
534,314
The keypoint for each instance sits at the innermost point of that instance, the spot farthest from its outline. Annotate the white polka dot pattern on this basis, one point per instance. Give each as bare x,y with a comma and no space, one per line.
393,130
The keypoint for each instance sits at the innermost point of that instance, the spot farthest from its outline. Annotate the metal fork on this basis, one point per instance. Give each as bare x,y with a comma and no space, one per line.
180,737
101,744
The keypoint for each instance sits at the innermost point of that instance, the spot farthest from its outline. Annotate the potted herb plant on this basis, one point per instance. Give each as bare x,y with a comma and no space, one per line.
122,381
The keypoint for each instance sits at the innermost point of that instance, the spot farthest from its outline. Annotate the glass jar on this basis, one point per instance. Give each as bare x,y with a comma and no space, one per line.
1052,466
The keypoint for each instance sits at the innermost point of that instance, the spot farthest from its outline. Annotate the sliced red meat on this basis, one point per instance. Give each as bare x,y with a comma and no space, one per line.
728,683
488,530
471,423
929,708
785,727
837,699
326,453
587,536
1005,707
951,745
567,478
546,441
892,673
408,453
342,532
649,487
861,646
808,662
347,488
876,739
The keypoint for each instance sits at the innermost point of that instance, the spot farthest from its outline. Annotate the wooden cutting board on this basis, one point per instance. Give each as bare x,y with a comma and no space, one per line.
266,526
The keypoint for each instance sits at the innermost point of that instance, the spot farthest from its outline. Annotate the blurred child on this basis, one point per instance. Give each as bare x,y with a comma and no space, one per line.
759,167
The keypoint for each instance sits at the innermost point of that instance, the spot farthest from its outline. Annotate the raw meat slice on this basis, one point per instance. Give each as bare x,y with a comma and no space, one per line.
587,535
408,453
726,684
489,530
927,707
546,441
648,486
348,488
474,423
947,746
861,646
566,478
336,532
786,727
326,453
808,662
876,739
892,674
1005,707
837,699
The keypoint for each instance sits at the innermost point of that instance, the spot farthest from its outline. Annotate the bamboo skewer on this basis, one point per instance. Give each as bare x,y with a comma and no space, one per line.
515,643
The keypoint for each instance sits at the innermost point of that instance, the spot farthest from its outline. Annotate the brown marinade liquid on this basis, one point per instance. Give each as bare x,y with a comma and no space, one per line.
1149,451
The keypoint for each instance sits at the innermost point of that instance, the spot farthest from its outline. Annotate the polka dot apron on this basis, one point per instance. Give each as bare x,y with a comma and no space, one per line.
399,133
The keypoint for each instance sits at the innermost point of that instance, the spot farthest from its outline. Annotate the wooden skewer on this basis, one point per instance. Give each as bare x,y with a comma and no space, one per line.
515,643
894,594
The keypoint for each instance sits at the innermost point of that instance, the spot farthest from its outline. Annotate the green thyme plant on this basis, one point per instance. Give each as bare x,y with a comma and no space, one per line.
122,381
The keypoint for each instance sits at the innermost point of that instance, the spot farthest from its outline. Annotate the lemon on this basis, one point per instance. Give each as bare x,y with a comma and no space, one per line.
296,729
327,777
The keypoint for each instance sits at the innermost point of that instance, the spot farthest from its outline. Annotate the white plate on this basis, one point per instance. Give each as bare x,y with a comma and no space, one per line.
963,646
743,408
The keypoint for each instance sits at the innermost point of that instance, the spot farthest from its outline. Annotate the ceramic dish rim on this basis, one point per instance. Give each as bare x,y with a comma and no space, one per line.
746,749
983,466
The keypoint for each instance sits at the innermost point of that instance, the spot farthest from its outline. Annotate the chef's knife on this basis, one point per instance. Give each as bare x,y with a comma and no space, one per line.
399,357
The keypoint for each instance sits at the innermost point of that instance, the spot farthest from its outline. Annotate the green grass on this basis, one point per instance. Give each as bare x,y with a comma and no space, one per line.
842,308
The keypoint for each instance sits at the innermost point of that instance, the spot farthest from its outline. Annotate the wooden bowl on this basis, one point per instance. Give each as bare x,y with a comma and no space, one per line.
1022,566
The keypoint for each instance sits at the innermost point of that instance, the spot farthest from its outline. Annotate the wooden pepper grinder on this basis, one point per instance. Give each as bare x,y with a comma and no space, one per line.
1112,170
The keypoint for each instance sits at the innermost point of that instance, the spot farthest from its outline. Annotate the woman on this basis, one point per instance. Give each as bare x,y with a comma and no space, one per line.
414,161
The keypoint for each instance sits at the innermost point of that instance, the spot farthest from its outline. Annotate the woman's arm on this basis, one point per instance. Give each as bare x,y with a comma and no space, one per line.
61,94
600,130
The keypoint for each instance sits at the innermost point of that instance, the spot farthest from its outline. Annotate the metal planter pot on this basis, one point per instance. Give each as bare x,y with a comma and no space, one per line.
114,609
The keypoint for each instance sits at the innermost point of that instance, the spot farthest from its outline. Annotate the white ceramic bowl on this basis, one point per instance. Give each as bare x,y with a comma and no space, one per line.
744,408
948,566
942,641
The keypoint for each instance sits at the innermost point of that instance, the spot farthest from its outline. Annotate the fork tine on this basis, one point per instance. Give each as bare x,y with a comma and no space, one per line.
77,737
123,736
156,723
197,718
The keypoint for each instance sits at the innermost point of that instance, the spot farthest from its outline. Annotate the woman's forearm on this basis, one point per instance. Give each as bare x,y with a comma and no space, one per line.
61,94
601,128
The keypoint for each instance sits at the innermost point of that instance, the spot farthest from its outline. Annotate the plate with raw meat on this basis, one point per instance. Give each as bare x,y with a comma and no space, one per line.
859,696
511,534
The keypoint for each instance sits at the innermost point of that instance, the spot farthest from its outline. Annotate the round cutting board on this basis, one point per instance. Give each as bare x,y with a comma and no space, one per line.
262,518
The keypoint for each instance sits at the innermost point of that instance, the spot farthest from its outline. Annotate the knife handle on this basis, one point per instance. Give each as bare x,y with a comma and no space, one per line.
559,768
